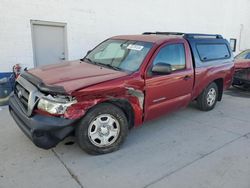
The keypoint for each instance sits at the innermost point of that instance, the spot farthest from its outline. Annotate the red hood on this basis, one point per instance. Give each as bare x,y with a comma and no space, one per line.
74,75
242,63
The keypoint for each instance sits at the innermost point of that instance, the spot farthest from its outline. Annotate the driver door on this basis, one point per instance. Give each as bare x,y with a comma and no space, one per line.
169,92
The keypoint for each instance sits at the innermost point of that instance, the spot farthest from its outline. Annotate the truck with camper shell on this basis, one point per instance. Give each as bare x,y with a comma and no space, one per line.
123,82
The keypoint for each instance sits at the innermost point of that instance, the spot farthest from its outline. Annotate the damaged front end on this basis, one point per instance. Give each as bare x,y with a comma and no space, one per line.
41,115
242,77
242,73
130,99
47,114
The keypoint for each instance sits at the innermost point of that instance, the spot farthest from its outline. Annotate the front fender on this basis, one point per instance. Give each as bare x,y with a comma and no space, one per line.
133,96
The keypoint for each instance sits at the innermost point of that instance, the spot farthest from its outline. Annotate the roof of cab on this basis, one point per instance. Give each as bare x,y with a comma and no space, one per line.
147,38
159,37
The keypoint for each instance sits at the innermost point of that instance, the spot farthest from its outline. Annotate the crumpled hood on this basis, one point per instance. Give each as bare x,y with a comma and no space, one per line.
242,63
74,75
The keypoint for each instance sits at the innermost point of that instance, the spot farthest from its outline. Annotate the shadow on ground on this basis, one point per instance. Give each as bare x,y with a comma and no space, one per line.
238,92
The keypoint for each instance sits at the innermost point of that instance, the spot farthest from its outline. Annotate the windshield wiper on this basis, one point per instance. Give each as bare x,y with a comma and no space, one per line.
101,64
88,59
111,66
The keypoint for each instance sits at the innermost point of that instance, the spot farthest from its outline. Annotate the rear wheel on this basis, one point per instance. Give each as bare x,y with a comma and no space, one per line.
208,98
102,130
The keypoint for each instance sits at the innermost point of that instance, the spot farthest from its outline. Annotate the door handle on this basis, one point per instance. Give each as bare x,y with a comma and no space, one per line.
187,77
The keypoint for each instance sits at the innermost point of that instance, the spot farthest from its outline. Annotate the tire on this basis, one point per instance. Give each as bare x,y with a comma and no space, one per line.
102,130
206,101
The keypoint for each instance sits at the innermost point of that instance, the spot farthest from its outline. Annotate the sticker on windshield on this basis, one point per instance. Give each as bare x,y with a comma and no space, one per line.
135,47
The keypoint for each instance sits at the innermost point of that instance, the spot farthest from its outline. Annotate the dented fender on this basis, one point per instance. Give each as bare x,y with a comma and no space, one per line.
90,98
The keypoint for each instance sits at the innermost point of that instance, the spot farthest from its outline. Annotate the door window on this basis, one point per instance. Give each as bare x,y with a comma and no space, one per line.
173,54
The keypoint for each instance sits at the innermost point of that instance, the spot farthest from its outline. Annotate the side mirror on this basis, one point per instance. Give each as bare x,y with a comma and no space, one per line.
162,68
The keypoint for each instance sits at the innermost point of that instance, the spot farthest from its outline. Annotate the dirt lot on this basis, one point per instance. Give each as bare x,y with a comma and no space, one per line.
186,149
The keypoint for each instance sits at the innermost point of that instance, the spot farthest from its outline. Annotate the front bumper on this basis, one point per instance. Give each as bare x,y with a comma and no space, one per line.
44,131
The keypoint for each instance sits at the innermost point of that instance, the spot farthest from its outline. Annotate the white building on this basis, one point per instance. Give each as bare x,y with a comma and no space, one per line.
30,29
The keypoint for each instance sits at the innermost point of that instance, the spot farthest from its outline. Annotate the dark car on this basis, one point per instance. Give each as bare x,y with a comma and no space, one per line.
123,82
242,69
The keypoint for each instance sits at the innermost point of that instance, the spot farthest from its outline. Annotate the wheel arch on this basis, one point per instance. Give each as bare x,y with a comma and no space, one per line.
126,107
219,83
123,104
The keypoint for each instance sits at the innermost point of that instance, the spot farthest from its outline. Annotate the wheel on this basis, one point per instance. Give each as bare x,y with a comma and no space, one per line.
102,130
208,98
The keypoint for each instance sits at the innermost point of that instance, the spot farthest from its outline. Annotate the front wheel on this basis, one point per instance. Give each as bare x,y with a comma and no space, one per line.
208,98
102,130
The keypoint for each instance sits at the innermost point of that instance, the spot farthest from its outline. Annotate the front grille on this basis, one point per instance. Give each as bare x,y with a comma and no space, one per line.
23,95
27,95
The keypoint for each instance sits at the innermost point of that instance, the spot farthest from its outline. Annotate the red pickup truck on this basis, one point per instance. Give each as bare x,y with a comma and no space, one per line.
123,82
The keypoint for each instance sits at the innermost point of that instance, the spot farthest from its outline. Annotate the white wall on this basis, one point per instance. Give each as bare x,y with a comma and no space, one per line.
91,21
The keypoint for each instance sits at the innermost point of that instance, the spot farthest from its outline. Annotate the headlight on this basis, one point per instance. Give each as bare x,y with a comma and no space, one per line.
54,105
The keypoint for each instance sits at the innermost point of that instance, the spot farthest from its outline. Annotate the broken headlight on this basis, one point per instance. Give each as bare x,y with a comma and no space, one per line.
55,105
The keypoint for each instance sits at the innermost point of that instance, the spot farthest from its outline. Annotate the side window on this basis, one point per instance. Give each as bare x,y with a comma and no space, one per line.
208,52
173,54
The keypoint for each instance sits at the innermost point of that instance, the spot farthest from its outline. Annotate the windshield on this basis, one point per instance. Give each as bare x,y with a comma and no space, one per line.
123,55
